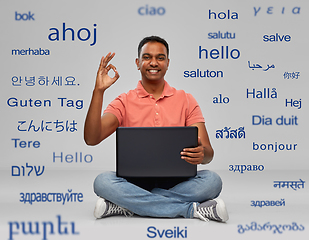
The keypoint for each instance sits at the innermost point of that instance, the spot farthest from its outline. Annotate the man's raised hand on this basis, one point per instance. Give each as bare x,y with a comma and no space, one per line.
103,80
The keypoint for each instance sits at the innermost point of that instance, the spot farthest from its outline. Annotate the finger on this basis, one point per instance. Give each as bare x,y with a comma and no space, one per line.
197,154
192,155
111,66
192,161
115,71
101,64
197,149
111,56
104,61
107,58
116,76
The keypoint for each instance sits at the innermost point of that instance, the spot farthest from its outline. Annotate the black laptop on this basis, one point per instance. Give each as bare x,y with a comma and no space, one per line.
154,152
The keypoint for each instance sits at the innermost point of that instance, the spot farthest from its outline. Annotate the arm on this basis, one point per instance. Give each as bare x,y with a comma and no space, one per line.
98,127
203,153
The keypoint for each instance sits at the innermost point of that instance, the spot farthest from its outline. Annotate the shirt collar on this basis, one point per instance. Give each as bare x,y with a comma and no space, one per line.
167,91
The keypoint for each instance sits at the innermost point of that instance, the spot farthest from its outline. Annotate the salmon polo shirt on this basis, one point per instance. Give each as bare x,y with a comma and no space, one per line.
138,108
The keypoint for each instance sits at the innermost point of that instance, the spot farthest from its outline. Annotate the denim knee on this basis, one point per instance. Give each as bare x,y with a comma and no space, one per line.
102,183
217,184
212,181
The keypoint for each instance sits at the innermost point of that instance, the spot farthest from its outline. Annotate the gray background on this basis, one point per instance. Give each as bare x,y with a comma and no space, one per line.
185,25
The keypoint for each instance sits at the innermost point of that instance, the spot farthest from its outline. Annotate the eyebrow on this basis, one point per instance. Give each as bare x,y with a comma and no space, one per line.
160,54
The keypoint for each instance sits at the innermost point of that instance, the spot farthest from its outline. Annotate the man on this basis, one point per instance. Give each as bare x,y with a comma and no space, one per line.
153,103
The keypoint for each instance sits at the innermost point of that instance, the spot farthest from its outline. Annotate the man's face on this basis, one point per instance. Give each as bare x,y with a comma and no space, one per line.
153,61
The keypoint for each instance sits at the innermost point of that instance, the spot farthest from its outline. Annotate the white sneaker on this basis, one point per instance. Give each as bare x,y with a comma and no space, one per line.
211,210
104,208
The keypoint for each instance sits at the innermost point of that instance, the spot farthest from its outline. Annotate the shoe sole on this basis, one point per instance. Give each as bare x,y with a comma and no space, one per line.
221,210
99,208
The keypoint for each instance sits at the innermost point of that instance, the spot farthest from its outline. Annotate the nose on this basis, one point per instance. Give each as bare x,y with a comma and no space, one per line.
153,62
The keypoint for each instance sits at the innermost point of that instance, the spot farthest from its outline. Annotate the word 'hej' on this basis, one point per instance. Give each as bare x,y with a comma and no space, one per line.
293,103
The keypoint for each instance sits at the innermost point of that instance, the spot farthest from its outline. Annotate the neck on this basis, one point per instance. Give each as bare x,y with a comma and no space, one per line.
154,87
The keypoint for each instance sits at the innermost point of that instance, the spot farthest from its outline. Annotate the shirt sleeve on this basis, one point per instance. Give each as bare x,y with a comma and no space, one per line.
194,111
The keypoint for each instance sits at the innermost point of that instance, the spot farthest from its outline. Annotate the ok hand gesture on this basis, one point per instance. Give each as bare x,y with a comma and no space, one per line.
103,80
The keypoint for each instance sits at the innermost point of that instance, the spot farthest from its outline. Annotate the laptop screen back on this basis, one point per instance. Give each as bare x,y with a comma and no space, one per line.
154,151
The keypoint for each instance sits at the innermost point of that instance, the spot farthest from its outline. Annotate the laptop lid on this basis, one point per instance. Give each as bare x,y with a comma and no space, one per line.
154,151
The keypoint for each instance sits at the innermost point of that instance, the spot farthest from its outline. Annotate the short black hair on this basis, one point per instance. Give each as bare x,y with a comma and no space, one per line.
151,39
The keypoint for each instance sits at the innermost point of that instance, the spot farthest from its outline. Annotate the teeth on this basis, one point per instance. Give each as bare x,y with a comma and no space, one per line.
153,71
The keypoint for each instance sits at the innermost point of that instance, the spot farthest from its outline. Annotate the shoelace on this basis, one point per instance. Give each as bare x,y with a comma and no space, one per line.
114,209
204,213
207,212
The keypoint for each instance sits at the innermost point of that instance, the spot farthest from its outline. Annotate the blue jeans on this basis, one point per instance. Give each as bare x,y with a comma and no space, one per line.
158,202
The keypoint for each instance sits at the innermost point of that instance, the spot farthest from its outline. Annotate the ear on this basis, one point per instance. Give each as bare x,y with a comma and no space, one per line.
137,63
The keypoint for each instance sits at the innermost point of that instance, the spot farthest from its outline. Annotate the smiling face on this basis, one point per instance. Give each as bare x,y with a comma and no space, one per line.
153,61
